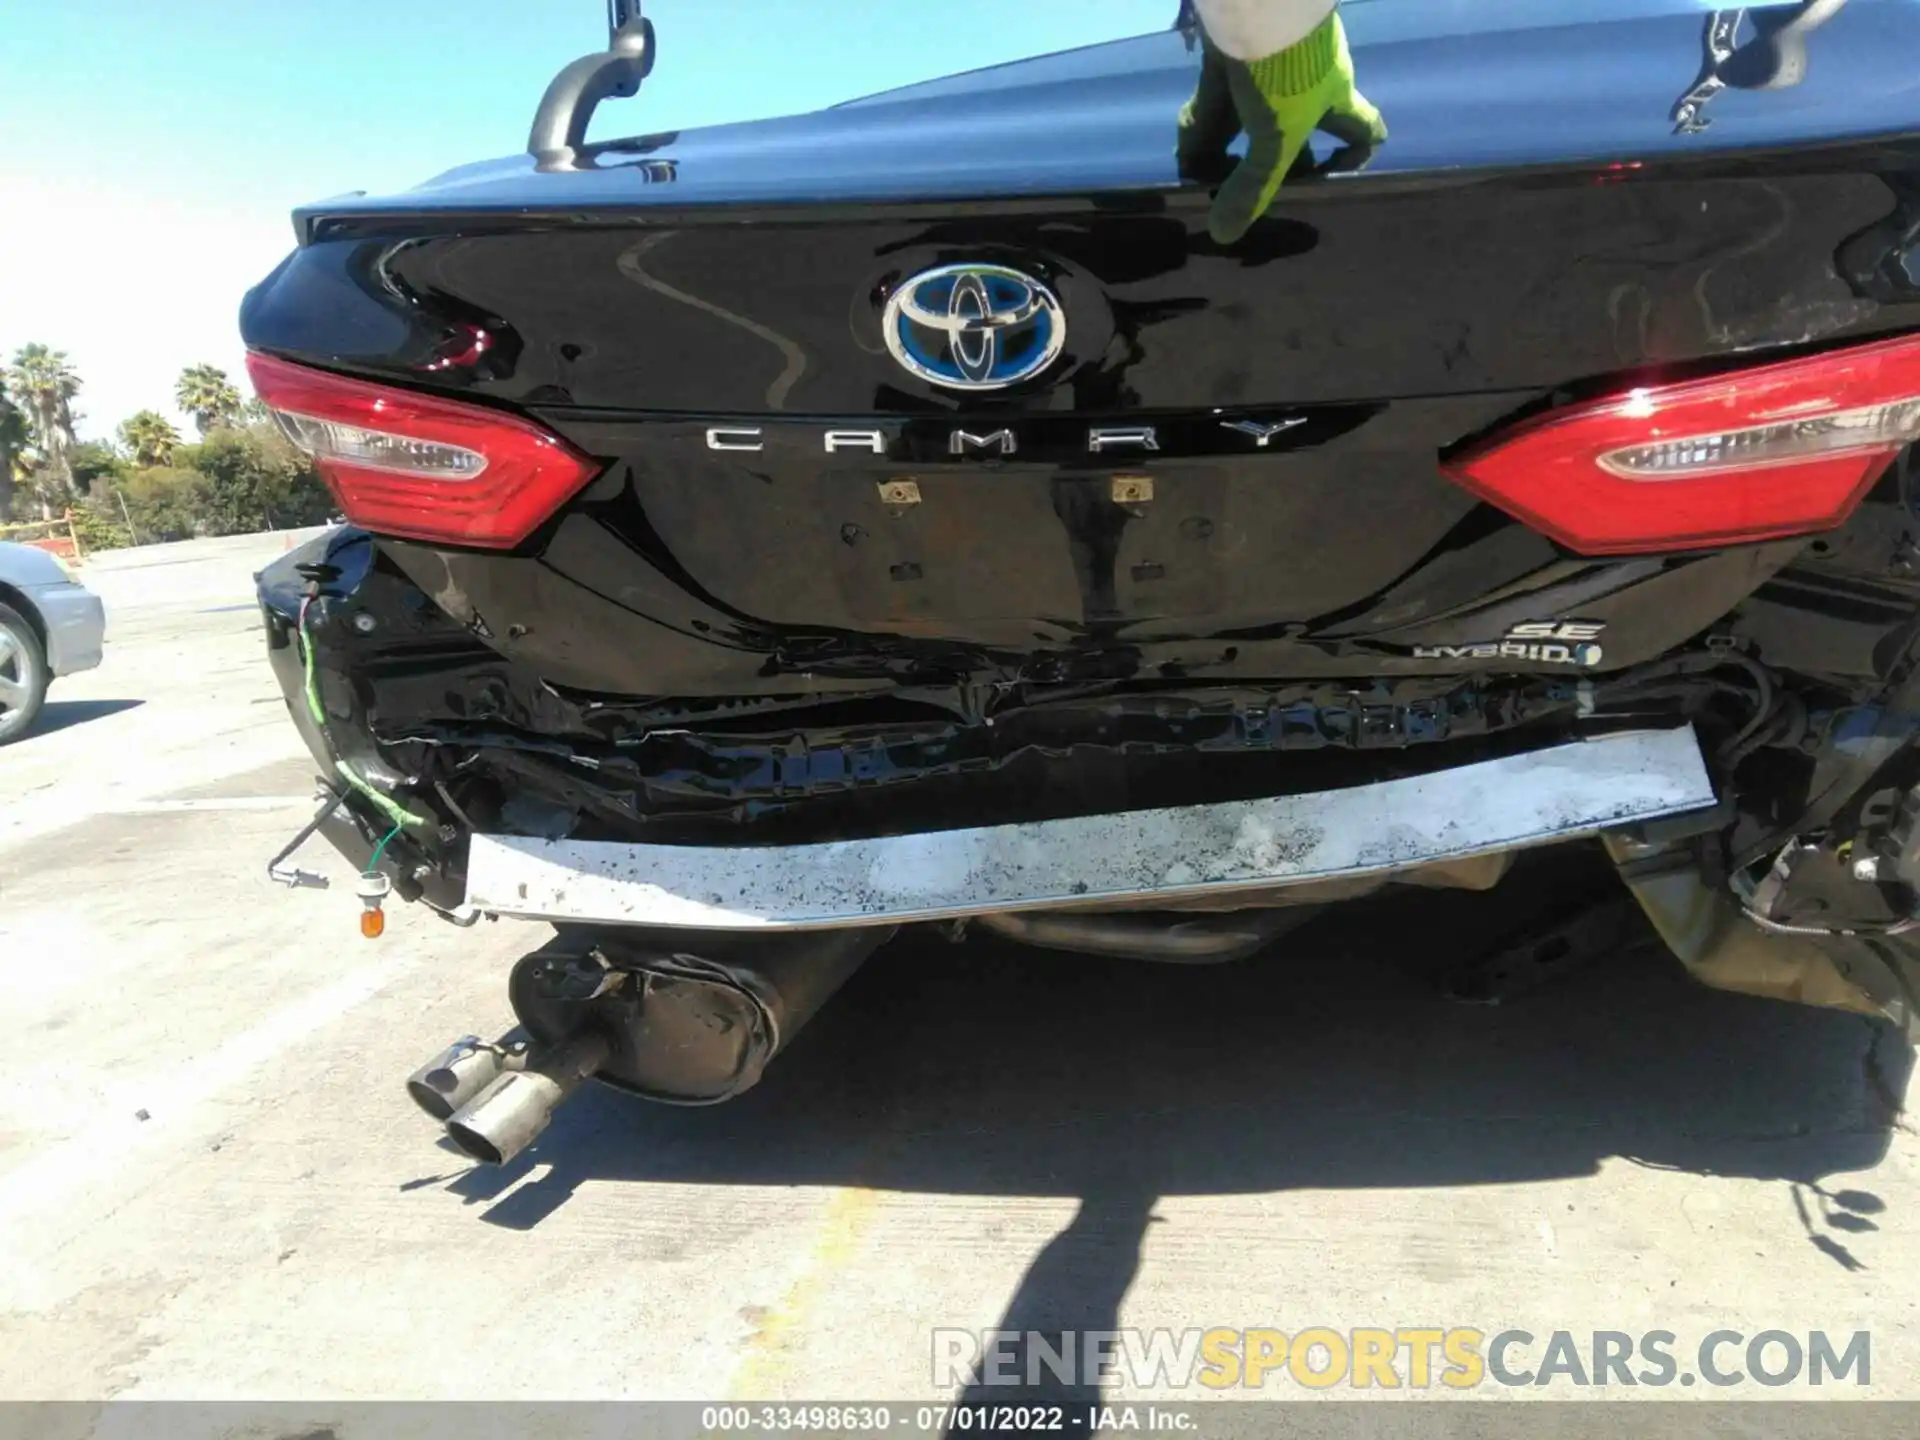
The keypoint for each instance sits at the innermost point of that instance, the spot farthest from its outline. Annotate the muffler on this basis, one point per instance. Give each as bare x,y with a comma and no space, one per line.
462,1071
510,1112
685,1025
696,1016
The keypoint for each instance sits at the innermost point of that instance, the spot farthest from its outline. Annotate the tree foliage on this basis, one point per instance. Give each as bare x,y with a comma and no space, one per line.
93,459
163,502
241,475
43,384
150,437
13,445
205,393
254,480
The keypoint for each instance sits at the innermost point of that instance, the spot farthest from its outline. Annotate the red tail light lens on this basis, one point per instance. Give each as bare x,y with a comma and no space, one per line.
1778,450
417,466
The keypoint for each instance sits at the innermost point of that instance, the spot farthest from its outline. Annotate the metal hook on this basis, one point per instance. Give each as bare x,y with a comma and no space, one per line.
330,801
560,124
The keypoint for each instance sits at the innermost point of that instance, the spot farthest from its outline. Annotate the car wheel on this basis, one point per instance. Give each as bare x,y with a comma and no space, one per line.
23,675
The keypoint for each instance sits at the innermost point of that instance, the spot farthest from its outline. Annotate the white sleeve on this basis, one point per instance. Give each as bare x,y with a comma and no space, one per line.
1255,29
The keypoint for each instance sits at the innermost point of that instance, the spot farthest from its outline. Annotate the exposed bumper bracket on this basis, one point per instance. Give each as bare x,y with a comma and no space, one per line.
1558,793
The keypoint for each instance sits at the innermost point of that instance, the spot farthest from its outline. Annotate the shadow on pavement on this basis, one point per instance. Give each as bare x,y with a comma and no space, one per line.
64,714
991,1069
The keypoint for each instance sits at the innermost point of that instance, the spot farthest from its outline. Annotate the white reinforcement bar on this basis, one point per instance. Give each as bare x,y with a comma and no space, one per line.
1506,804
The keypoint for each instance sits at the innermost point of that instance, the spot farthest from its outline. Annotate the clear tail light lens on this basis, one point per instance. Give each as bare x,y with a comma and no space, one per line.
1759,454
1790,442
418,466
379,449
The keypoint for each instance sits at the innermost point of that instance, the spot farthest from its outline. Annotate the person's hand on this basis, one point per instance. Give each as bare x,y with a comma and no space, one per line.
1278,100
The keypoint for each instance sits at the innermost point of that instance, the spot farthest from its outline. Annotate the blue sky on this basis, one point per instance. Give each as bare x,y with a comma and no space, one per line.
151,149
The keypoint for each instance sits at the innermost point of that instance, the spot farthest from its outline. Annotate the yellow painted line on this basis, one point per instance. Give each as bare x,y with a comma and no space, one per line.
782,1333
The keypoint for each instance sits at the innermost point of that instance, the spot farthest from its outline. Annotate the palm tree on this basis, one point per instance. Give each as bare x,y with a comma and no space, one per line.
150,437
13,440
45,385
205,393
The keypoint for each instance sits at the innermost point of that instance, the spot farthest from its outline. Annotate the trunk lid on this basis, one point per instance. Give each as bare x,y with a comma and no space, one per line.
1538,223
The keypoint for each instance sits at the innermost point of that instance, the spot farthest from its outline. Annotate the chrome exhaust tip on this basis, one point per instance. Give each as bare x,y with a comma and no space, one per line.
453,1077
512,1109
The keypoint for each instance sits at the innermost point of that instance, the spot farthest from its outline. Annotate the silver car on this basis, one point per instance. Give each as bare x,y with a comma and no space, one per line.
50,625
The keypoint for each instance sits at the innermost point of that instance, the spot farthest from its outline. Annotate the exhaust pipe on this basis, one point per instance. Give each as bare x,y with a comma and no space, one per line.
686,1028
510,1112
1201,938
462,1071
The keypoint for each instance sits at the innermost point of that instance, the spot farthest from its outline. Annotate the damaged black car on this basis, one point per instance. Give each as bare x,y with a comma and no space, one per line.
939,510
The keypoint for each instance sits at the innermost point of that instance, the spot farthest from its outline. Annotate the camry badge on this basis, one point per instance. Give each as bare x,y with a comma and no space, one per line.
974,327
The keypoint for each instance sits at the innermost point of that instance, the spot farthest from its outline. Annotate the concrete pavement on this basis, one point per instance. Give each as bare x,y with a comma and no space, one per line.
212,1185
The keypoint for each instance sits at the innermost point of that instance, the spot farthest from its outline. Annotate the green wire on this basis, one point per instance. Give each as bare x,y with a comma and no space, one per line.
381,849
313,680
385,803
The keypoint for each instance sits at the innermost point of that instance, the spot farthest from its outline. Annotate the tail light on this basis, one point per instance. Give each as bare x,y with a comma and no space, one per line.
417,466
1776,450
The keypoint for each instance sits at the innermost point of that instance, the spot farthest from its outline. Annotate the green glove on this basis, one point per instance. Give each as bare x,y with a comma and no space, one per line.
1278,101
